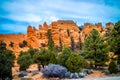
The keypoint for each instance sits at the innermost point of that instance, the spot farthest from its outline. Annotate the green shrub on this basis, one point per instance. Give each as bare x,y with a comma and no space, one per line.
74,63
112,67
24,61
118,59
64,56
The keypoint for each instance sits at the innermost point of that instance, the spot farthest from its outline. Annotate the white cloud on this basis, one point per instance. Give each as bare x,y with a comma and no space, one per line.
52,18
34,11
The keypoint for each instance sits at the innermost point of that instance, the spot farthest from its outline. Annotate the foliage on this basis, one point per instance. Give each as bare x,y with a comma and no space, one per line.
32,51
10,56
115,38
49,34
79,44
74,63
50,41
53,59
42,57
64,56
60,44
6,62
72,44
54,71
112,67
11,44
2,46
95,48
118,59
86,64
5,67
23,44
24,61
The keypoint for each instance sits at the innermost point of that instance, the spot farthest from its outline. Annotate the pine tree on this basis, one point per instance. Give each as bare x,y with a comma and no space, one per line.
95,48
60,44
6,62
72,44
50,41
115,40
79,44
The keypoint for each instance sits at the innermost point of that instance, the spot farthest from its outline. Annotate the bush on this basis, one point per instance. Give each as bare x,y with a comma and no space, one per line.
23,44
24,61
22,74
74,63
86,64
64,56
112,67
11,44
54,71
118,59
67,74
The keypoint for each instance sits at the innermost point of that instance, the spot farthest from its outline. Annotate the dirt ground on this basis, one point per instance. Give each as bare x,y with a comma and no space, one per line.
96,74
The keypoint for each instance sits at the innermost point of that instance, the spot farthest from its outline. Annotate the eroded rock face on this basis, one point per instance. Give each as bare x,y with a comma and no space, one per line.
58,28
110,24
64,29
88,27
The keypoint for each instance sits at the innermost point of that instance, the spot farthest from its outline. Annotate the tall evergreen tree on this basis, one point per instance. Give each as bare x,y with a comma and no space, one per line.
115,39
95,48
72,44
6,62
50,41
79,44
60,44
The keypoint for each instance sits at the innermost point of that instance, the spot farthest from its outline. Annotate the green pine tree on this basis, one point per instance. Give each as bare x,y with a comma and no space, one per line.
72,44
95,48
115,40
6,62
50,41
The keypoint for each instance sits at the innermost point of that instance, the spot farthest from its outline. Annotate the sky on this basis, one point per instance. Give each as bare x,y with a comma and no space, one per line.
16,15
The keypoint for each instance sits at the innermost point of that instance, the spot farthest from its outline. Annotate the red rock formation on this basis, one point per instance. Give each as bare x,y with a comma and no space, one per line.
89,27
58,28
110,24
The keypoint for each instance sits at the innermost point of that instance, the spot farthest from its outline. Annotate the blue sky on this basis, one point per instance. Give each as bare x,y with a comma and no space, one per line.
16,15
